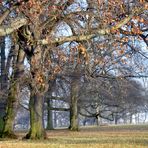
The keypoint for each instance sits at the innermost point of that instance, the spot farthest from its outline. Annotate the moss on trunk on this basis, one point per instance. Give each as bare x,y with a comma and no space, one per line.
1,123
36,131
10,112
12,100
36,117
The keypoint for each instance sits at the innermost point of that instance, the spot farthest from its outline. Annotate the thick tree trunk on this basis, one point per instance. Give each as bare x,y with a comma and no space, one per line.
12,100
10,111
74,107
36,116
38,88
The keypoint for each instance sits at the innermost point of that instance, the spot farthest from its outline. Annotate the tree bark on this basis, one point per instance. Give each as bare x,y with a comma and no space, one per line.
37,93
10,111
74,107
38,86
12,100
36,115
55,119
3,83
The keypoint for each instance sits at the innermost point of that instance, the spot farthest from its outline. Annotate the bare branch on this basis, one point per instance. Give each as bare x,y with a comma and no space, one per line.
59,109
14,25
85,37
6,13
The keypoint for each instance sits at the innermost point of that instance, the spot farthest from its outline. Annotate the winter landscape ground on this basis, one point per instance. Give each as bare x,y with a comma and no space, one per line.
121,136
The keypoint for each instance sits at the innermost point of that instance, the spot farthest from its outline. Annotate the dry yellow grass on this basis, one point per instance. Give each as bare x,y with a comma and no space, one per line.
90,137
43,145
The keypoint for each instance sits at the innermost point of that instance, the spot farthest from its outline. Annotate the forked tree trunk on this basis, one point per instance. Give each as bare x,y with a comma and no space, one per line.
74,107
36,116
37,91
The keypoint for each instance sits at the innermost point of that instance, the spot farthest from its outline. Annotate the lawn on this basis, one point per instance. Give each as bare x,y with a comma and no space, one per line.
129,136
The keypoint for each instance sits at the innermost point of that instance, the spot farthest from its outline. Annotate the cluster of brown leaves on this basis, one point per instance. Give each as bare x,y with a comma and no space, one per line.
40,80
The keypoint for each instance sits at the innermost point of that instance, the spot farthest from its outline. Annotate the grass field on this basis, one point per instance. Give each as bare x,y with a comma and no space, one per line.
129,136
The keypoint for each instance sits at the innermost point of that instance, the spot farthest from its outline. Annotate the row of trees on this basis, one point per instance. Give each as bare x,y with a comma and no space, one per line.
83,51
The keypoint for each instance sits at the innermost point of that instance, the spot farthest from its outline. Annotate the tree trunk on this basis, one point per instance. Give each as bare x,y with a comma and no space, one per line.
49,105
12,100
11,111
145,116
99,122
98,118
49,115
3,77
2,114
131,118
3,83
36,115
38,88
116,119
125,118
74,107
138,116
55,119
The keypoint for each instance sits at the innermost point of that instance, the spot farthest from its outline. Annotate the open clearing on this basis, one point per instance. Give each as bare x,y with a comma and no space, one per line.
128,136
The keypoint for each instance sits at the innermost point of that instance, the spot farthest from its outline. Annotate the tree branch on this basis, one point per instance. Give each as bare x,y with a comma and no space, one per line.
126,76
19,22
6,13
58,109
91,35
14,25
